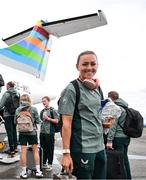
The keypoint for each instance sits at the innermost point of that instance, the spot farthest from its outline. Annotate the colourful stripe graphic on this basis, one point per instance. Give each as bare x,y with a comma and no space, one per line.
32,52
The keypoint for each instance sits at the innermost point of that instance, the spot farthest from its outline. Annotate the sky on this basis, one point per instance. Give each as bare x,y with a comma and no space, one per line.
119,45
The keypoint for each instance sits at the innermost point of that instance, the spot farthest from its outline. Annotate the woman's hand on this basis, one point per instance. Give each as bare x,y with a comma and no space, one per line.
109,145
67,163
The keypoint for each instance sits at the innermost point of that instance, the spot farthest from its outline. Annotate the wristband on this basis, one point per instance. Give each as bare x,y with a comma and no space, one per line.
66,151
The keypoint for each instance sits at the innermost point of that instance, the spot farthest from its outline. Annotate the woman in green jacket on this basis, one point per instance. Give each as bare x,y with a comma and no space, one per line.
29,138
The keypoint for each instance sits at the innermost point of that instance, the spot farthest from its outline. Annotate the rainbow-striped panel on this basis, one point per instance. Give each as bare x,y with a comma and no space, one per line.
30,54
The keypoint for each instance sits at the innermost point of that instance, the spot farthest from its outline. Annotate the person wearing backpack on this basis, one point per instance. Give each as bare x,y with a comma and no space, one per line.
82,131
8,116
28,138
49,117
116,138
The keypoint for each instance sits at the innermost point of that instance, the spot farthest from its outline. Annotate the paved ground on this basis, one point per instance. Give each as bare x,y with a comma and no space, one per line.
137,156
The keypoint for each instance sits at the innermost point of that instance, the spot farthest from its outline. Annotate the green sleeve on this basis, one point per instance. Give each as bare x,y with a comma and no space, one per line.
115,127
112,131
36,115
16,114
3,100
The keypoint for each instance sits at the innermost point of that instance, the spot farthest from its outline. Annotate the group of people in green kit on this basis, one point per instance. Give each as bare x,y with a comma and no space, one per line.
84,150
46,136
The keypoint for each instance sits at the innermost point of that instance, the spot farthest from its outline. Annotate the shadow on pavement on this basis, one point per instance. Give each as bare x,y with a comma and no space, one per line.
12,172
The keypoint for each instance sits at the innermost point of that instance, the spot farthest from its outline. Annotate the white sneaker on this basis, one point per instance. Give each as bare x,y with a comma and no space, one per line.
47,166
50,167
39,174
23,175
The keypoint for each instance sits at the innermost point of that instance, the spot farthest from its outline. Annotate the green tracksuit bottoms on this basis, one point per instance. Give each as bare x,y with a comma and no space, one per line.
90,165
47,143
121,144
11,132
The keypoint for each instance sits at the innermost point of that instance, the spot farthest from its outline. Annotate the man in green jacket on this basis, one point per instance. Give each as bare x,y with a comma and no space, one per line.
116,138
9,118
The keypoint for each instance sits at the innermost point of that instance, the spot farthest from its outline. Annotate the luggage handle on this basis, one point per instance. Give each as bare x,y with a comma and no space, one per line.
69,174
64,175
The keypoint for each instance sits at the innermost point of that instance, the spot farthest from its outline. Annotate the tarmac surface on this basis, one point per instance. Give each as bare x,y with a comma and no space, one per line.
137,157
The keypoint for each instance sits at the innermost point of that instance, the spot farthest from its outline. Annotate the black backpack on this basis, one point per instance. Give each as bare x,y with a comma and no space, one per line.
12,103
133,125
77,89
58,126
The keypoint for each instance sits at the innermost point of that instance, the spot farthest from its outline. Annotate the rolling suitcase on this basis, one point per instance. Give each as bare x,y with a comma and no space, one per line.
30,159
115,165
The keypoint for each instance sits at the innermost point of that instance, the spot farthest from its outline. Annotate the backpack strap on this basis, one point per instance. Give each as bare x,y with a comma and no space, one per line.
41,114
51,113
126,112
120,125
76,86
100,92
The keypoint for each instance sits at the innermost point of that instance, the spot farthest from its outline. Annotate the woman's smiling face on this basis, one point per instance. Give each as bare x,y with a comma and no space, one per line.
87,66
